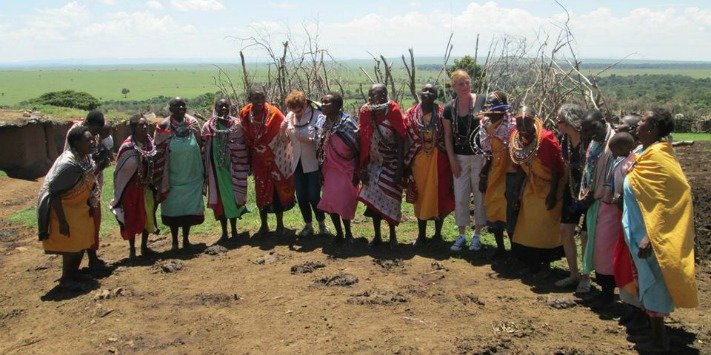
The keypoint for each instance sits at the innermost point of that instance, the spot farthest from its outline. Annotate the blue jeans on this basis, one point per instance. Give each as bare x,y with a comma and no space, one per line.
308,193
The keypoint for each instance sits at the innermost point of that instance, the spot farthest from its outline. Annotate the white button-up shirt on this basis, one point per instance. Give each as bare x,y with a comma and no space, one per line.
303,137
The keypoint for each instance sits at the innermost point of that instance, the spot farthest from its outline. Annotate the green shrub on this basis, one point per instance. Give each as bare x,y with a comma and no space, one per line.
67,98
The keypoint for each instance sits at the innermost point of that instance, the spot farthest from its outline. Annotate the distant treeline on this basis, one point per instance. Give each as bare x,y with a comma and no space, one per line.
679,93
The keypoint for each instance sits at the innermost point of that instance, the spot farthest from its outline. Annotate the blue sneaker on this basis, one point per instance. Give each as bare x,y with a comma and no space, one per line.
459,243
476,243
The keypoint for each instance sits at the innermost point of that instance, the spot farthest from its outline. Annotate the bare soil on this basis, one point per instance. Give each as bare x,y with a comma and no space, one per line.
286,296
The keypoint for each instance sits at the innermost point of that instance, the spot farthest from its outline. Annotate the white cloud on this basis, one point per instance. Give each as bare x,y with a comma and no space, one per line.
108,2
68,31
197,5
284,5
155,5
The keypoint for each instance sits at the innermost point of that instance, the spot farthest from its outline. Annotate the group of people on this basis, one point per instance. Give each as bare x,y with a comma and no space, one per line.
621,187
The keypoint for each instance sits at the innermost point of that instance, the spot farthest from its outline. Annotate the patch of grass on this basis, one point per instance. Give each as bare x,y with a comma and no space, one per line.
69,114
704,137
361,226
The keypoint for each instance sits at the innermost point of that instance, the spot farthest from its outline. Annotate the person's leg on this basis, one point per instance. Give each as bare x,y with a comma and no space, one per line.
377,239
264,223
301,184
336,219
174,236
186,236
132,248
479,213
94,261
462,192
223,225
421,232
658,340
439,222
233,227
145,251
393,235
349,235
567,232
499,238
314,192
280,223
606,298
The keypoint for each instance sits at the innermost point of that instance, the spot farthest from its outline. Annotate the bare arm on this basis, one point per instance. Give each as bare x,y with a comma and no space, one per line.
56,204
551,199
448,144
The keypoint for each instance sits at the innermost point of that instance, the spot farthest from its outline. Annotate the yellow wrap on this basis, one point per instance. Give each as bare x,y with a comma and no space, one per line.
536,226
664,197
495,197
76,212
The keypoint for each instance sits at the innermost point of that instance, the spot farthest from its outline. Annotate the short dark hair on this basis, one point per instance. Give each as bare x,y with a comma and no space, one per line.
133,122
596,115
663,120
337,99
75,134
95,118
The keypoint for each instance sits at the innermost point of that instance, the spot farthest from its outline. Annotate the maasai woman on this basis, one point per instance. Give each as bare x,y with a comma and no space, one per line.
461,134
179,163
101,155
225,156
304,123
382,138
537,153
64,208
569,122
596,191
135,187
271,157
338,153
431,176
658,222
498,175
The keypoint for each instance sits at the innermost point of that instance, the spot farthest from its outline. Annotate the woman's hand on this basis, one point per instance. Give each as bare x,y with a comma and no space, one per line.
364,176
456,169
483,182
551,200
645,248
63,227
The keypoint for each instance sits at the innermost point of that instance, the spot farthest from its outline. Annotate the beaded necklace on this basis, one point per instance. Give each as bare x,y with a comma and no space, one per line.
569,167
146,162
179,129
427,131
222,138
524,154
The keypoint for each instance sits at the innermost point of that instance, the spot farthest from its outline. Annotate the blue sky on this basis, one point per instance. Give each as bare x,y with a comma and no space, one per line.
113,29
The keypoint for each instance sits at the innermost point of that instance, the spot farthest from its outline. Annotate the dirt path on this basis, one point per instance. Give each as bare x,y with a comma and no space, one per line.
272,296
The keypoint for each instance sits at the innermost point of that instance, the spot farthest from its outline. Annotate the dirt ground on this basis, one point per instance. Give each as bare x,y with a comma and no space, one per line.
280,296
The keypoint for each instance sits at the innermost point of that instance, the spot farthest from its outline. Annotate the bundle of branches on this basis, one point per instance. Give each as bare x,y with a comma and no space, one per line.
290,66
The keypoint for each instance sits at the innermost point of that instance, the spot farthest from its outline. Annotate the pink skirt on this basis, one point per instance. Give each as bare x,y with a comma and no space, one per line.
339,196
607,230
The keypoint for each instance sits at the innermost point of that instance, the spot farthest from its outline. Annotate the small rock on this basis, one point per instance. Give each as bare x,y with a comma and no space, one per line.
120,269
561,303
270,258
340,279
307,267
215,250
103,312
117,291
112,339
170,266
437,266
43,266
113,350
21,249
